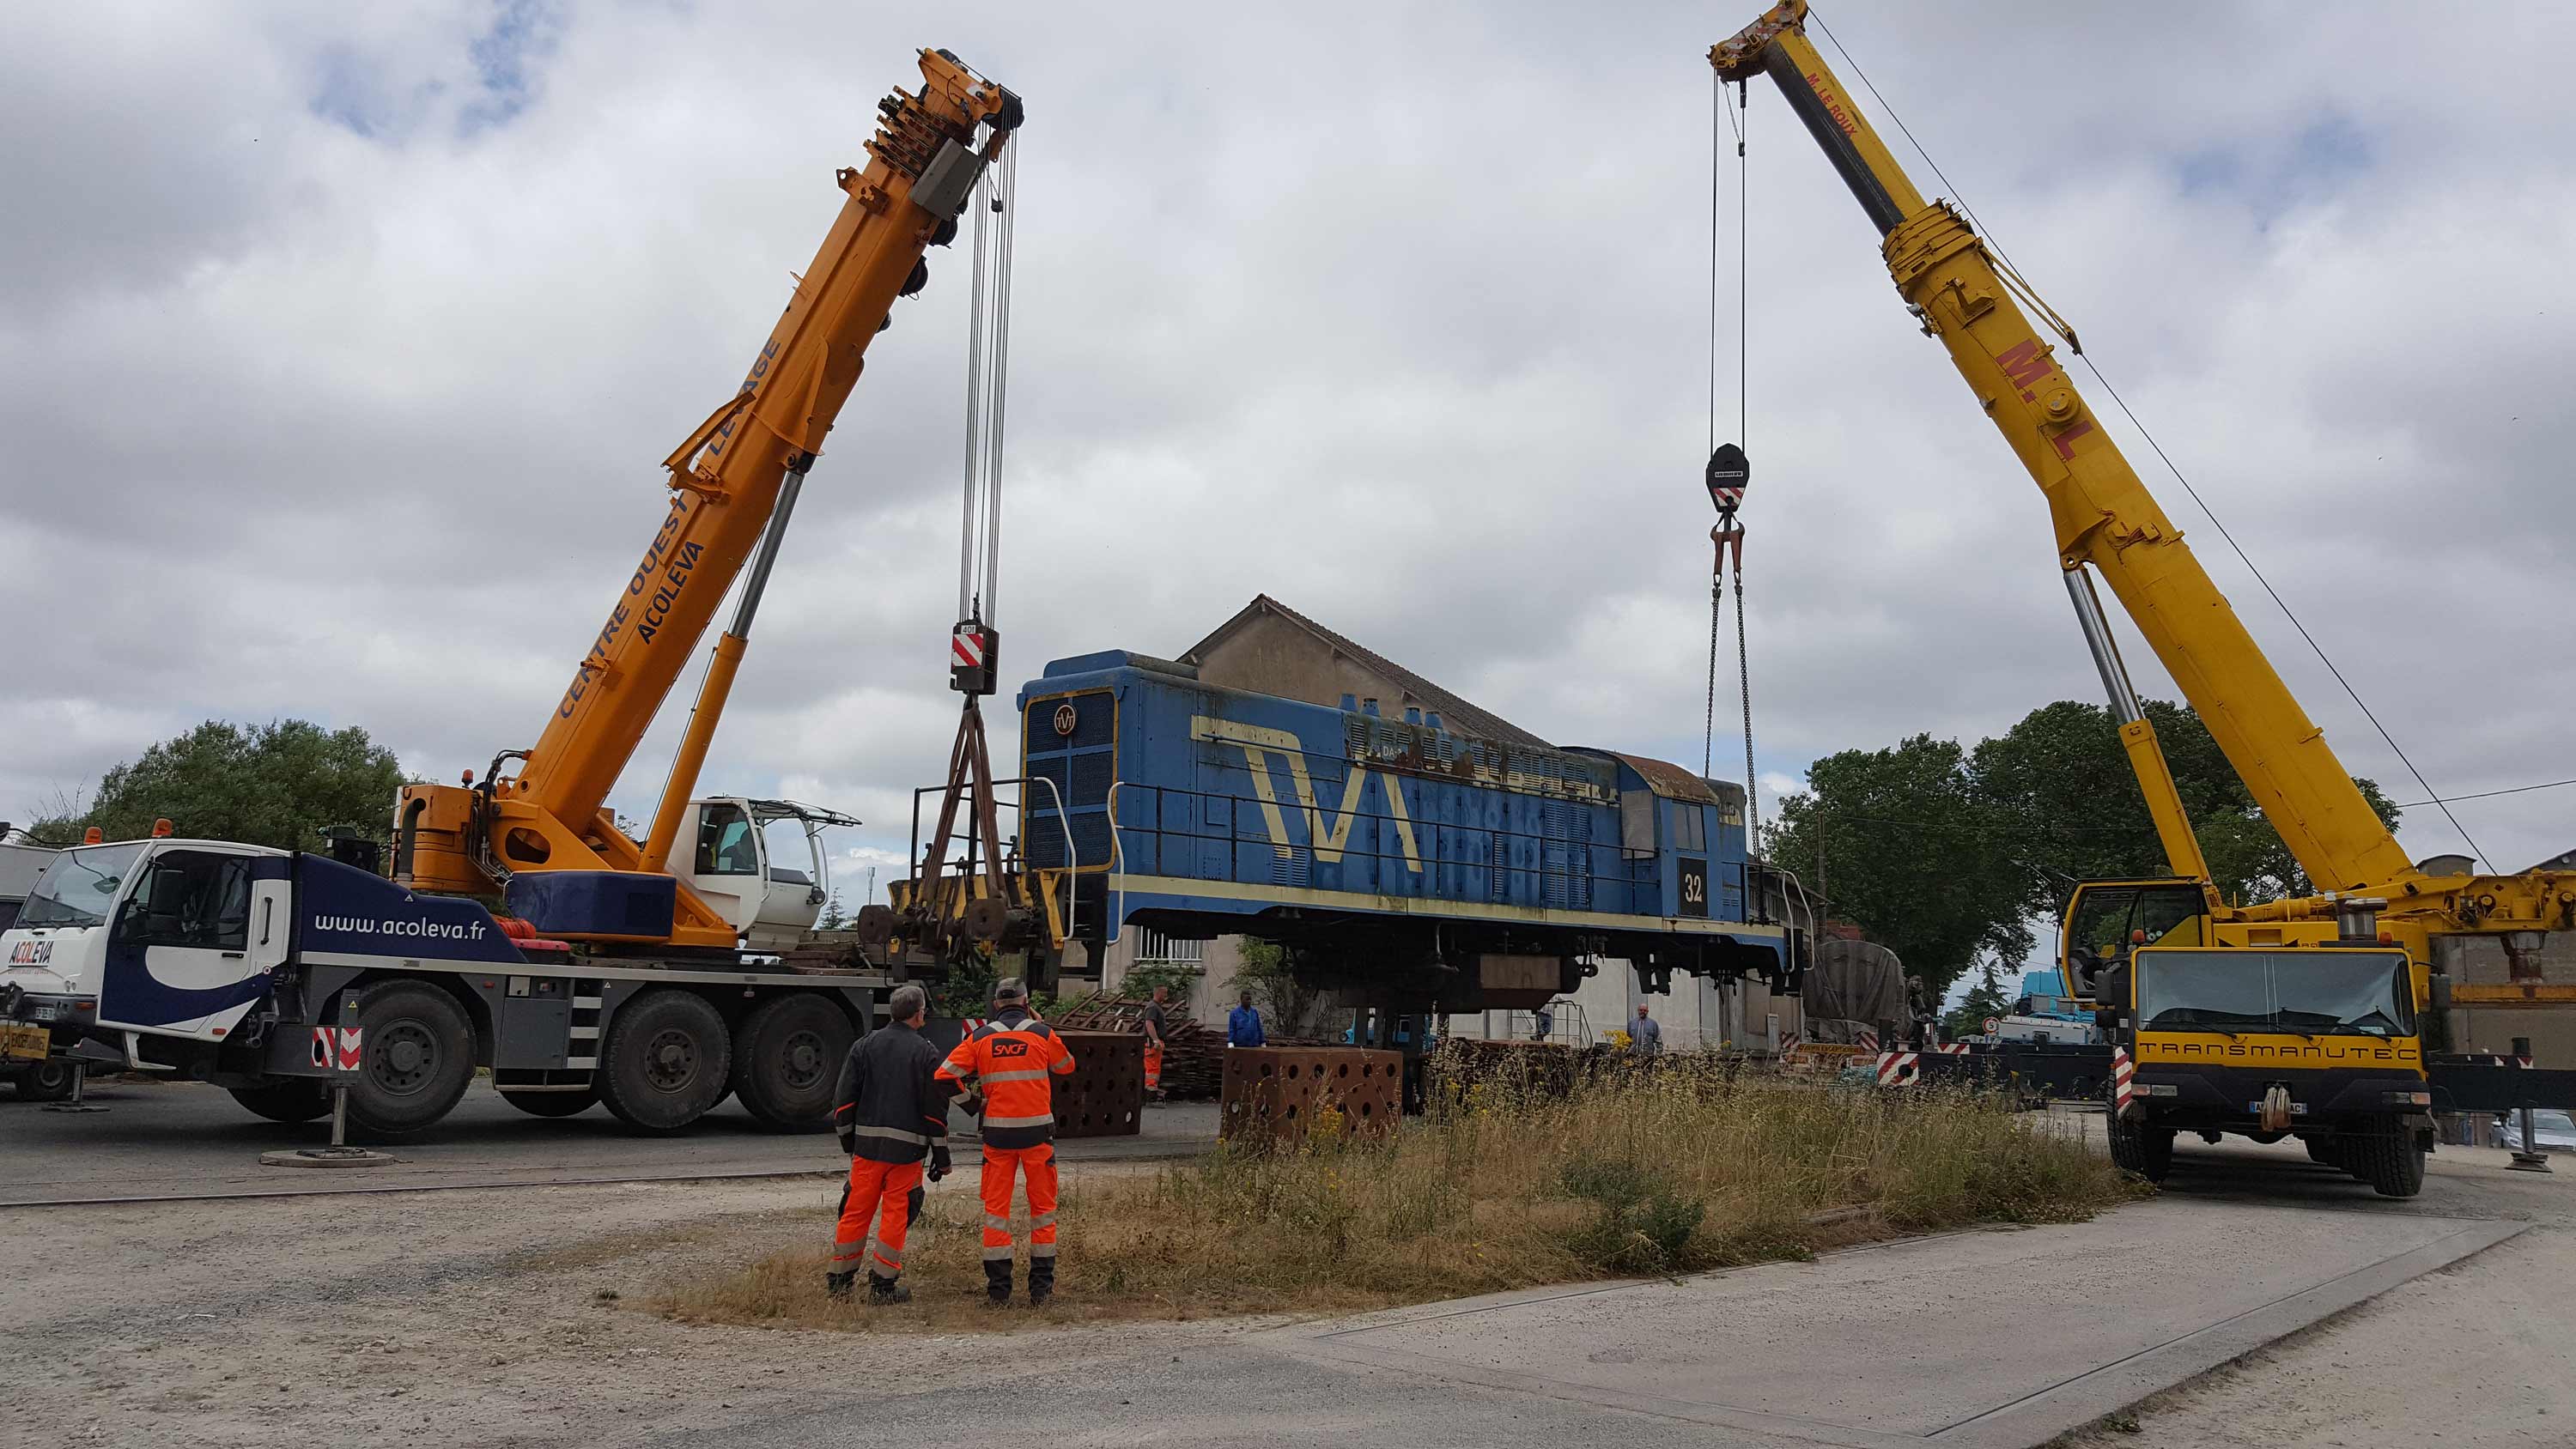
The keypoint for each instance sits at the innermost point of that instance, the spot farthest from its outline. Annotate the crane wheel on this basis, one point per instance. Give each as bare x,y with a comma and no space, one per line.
2388,1159
2146,1151
45,1082
419,1059
664,1060
787,1060
288,1099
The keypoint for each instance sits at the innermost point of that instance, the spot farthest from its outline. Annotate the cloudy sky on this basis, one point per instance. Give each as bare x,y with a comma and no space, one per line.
339,345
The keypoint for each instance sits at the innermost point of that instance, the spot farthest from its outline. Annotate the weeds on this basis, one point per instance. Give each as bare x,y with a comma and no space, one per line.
1506,1183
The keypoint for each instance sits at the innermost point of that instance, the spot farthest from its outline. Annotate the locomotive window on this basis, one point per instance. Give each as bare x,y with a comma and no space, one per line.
1690,827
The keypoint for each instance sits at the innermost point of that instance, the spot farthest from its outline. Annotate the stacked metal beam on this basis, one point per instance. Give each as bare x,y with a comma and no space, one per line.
1193,1055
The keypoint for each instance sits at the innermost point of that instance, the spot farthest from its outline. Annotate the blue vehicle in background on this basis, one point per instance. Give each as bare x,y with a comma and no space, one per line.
2044,1013
1405,866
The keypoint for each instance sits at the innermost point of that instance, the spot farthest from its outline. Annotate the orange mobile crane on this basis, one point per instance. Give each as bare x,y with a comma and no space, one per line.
541,837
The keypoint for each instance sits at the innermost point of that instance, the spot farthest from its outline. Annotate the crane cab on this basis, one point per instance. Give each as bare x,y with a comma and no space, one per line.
2108,919
769,881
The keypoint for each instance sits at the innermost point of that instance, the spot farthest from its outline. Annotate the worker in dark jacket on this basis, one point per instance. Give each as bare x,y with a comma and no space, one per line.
892,1114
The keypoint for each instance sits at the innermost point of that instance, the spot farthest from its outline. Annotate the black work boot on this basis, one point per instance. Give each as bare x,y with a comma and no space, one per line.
997,1282
1041,1281
885,1292
838,1284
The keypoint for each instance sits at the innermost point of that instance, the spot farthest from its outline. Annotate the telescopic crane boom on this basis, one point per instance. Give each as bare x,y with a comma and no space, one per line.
542,836
2107,522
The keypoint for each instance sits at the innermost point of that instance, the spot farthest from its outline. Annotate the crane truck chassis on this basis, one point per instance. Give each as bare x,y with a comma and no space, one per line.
233,964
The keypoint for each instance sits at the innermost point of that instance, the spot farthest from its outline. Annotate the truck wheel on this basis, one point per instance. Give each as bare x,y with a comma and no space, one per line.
419,1059
787,1059
45,1082
289,1099
2389,1161
552,1104
2146,1151
2325,1150
664,1060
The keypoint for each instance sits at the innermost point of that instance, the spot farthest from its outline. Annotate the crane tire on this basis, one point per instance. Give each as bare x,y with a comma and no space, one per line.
787,1060
2146,1151
664,1060
552,1104
418,1061
45,1082
2389,1161
288,1099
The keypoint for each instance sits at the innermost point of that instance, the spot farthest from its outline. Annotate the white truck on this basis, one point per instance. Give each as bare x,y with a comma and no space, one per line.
241,965
20,864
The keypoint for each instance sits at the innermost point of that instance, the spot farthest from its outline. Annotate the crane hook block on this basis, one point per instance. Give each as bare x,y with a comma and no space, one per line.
1727,470
974,657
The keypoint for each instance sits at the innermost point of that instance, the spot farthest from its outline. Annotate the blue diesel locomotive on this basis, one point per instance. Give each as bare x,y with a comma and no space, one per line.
1399,862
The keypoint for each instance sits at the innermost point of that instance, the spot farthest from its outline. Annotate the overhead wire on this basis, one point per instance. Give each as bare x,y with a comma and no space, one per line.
1984,232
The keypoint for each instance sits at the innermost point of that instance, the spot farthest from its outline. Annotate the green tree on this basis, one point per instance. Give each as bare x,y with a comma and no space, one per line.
2060,780
1265,969
834,918
274,784
1909,851
1986,998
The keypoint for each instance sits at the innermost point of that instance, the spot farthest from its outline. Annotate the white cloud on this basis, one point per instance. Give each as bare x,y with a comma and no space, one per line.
1402,321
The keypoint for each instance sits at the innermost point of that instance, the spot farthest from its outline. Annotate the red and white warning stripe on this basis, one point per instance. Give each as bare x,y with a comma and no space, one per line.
1951,1048
339,1049
1899,1069
966,646
1868,1040
2123,1081
1788,1043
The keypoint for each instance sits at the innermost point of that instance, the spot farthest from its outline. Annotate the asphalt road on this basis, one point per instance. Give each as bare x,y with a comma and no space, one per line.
184,1139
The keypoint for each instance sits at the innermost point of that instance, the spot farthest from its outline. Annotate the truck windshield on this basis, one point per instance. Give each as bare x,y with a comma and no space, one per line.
2311,993
79,887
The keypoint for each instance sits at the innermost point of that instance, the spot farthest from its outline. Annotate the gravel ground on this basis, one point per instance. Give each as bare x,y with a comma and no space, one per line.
448,1318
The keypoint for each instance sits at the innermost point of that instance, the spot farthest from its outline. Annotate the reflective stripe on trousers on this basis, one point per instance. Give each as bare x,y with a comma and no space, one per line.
1001,1166
879,1192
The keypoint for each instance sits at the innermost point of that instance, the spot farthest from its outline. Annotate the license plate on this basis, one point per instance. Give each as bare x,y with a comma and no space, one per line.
26,1043
2297,1109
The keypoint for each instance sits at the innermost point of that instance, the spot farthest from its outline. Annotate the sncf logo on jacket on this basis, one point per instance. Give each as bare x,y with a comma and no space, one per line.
1011,1062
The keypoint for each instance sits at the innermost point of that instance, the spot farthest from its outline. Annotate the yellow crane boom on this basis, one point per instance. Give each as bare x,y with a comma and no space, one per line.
2107,522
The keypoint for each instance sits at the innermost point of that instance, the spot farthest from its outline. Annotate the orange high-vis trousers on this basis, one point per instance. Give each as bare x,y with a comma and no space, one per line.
1153,1067
1000,1165
873,1184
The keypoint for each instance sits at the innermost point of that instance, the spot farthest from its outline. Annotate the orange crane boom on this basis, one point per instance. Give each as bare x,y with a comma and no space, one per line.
731,481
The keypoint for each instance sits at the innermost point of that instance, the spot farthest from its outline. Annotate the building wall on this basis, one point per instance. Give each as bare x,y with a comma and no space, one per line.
1273,656
1696,1014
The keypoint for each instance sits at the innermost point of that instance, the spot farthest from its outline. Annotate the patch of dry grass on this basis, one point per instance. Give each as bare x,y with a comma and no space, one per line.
1501,1186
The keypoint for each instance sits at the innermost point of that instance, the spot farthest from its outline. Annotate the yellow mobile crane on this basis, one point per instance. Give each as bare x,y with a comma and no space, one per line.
2292,1017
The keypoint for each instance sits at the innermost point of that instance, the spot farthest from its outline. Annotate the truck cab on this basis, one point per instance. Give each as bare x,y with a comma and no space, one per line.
2317,1042
761,864
175,937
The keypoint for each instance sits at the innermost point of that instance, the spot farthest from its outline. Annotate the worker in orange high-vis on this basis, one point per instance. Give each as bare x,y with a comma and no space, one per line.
1154,1020
1012,1061
893,1112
